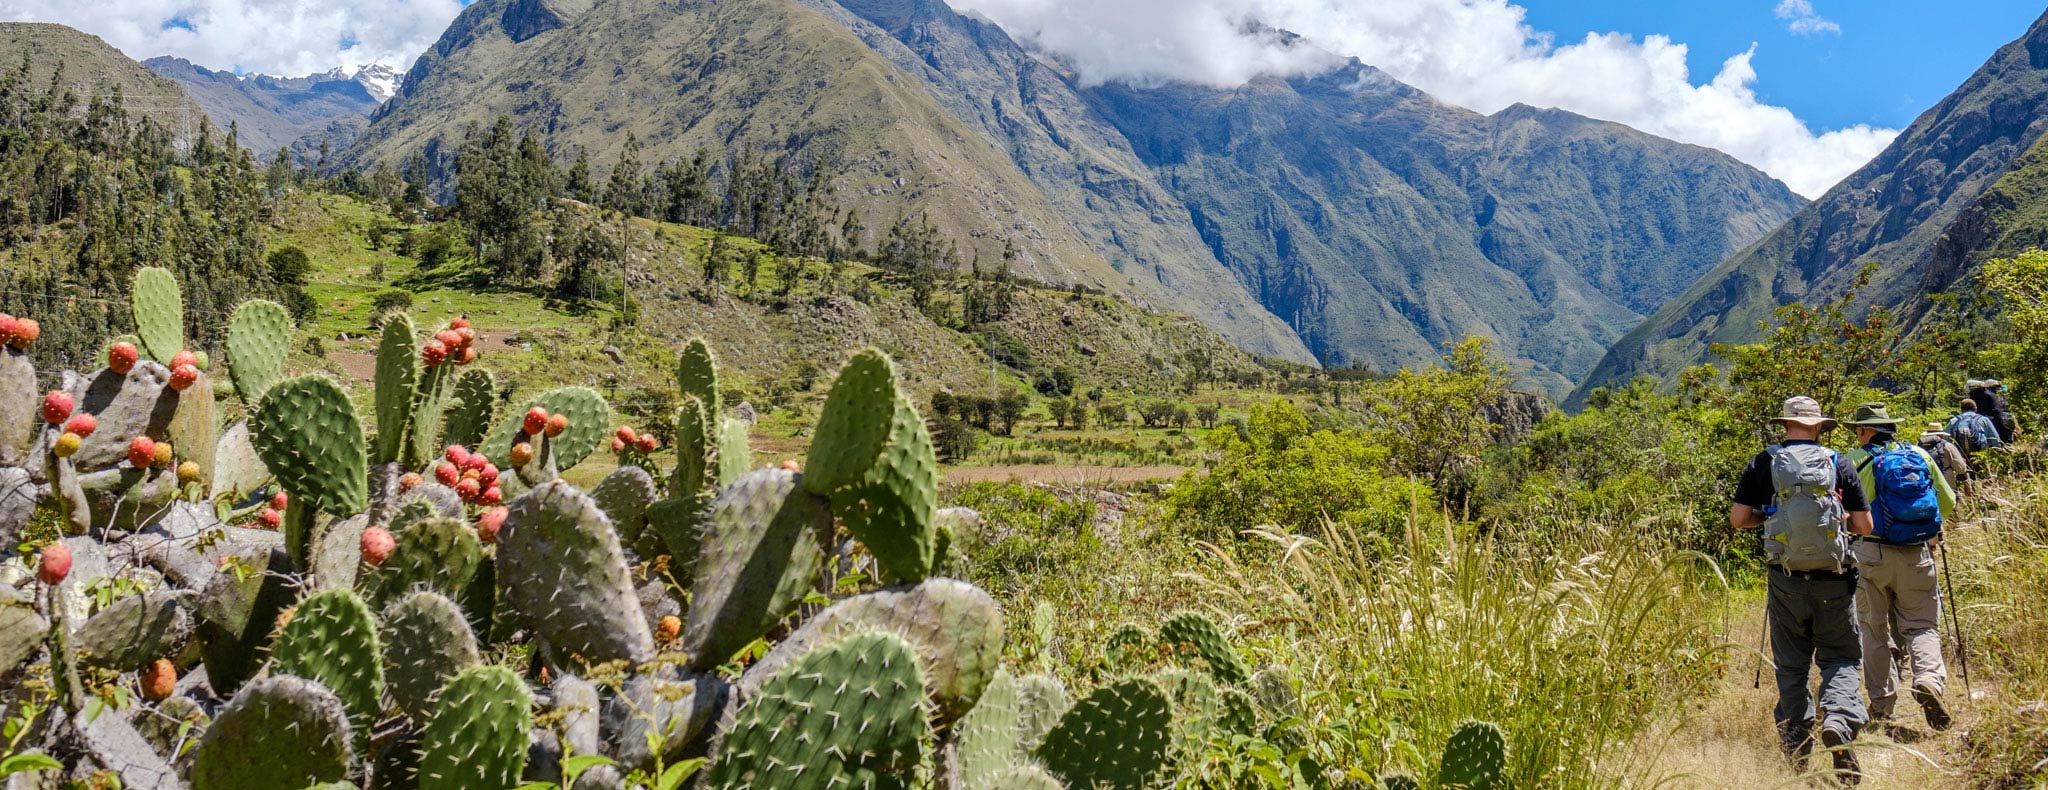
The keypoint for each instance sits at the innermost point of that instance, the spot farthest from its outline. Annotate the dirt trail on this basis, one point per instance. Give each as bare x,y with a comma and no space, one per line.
1068,475
1727,741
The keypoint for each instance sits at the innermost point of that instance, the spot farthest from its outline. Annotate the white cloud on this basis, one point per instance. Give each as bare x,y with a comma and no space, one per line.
285,37
1800,18
1480,54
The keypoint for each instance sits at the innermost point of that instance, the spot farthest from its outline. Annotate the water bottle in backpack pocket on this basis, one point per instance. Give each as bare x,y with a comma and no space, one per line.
1904,508
1804,530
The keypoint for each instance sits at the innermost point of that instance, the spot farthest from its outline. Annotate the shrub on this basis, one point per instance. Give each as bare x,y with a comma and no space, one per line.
1280,472
387,301
1026,531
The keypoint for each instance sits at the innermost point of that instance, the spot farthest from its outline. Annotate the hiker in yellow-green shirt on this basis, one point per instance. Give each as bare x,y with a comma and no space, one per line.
1897,597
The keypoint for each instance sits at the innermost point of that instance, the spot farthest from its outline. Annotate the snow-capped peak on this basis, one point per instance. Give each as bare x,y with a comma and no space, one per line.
380,80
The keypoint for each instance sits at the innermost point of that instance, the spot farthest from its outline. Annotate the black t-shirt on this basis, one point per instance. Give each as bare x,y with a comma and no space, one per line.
1754,489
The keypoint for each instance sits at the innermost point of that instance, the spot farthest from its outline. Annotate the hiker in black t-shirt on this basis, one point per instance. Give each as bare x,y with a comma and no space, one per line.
1992,404
1806,500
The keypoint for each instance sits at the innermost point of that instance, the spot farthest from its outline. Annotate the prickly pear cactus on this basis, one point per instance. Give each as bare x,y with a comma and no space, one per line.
21,633
850,714
475,403
237,470
696,449
955,627
560,567
1041,702
666,707
1197,705
872,456
1399,781
761,550
1240,716
426,642
333,639
1116,737
398,373
259,337
439,554
478,734
430,402
308,435
237,612
1195,631
280,731
1273,689
135,630
127,407
624,496
590,422
1023,777
697,375
1127,645
987,737
194,427
1474,758
735,457
18,405
159,312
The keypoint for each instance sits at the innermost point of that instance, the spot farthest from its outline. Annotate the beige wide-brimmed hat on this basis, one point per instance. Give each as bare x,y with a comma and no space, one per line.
1804,411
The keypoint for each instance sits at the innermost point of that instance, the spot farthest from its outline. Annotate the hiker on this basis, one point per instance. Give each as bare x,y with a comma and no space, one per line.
1941,447
1972,431
1803,497
1985,393
1895,564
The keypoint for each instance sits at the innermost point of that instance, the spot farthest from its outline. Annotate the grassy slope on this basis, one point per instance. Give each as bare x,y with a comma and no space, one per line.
91,66
778,357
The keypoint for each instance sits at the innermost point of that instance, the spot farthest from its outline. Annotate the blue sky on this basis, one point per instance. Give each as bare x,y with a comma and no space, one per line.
1891,60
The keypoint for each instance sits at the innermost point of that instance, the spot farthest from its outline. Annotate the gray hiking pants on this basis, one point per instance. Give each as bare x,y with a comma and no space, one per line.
1814,623
1898,601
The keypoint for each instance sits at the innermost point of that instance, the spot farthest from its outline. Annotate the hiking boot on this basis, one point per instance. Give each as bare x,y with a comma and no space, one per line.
1931,705
1847,770
1798,746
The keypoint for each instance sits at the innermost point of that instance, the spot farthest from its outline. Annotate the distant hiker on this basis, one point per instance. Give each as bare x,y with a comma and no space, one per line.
1991,404
1941,447
1895,562
1972,431
1802,495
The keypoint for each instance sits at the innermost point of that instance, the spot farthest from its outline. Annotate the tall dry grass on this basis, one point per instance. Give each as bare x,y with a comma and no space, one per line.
2001,575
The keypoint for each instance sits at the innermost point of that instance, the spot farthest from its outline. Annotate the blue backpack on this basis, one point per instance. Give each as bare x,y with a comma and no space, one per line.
1904,507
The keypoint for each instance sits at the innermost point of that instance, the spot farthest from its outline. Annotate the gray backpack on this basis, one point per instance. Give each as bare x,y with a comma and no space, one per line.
1805,530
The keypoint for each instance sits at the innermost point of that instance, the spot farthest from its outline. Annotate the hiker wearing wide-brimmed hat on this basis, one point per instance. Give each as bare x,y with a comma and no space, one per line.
1941,446
1802,495
1910,500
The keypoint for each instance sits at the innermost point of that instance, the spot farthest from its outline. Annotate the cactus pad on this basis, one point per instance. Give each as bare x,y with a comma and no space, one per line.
850,714
987,737
1115,737
280,731
134,631
138,404
21,633
1024,777
1194,631
237,612
426,642
1273,689
1197,705
159,312
195,426
1127,645
478,734
18,404
696,452
1041,702
333,639
237,469
436,554
1474,757
761,550
624,496
474,403
735,458
430,402
560,567
590,424
872,455
955,627
398,373
697,375
308,435
259,337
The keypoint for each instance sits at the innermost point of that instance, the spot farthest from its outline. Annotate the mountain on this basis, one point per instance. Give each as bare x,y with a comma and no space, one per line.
1967,181
91,67
274,112
1345,216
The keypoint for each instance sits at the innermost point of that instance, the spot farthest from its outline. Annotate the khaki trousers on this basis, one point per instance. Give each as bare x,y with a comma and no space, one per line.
1898,602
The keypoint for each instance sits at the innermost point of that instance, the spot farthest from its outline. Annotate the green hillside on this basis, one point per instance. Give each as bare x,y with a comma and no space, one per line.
93,69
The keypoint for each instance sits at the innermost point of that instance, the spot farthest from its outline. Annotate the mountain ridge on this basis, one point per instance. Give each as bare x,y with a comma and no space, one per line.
271,113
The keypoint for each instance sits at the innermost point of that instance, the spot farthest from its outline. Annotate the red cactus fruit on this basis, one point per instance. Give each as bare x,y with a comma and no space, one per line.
280,500
8,324
490,473
536,421
468,355
377,545
122,356
522,453
183,377
409,481
491,496
488,523
159,679
455,453
618,445
557,423
57,407
647,445
185,357
54,564
141,452
271,518
449,338
460,322
447,474
82,424
433,353
475,462
467,334
468,488
626,434
26,330
666,630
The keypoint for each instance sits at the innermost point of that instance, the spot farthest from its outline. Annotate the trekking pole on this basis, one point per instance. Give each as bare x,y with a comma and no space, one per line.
1762,645
1955,625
